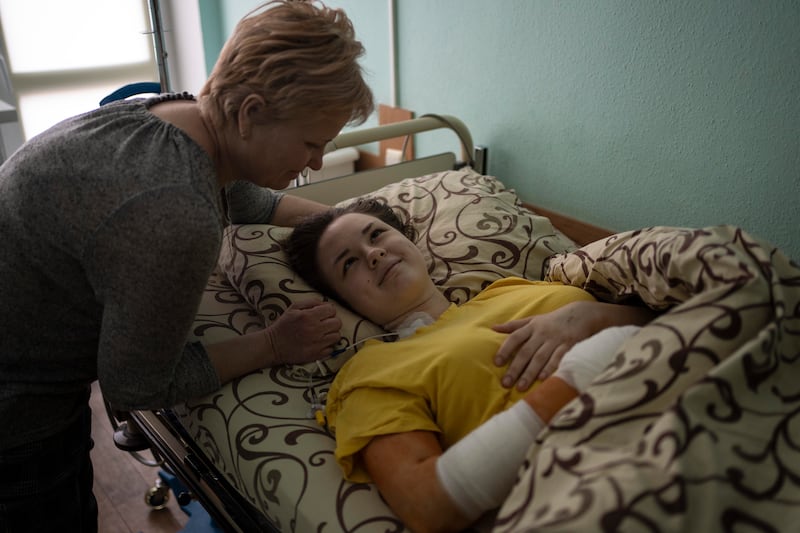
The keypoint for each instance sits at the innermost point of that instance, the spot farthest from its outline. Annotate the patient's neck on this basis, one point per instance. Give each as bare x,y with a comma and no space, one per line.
428,311
412,323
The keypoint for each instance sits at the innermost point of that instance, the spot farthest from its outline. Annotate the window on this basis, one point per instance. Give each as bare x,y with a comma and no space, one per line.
65,56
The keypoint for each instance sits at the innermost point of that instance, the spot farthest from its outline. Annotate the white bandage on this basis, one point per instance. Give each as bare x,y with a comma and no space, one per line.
588,358
479,471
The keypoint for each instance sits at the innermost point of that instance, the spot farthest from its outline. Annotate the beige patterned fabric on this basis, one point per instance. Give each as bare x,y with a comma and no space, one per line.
258,430
472,230
696,426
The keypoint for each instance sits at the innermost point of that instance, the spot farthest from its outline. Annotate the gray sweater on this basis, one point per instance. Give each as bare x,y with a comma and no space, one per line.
110,225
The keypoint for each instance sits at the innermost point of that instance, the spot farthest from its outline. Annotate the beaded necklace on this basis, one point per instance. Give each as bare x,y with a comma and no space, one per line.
166,97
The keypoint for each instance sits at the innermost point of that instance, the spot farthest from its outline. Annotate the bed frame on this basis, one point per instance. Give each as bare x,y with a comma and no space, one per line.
337,189
715,375
168,440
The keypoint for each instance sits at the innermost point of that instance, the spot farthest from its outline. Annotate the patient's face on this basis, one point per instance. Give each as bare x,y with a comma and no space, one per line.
375,268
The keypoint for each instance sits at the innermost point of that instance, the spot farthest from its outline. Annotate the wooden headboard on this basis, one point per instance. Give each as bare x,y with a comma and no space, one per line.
579,231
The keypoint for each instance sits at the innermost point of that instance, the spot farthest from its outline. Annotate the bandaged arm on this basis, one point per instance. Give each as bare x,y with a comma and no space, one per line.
479,471
429,496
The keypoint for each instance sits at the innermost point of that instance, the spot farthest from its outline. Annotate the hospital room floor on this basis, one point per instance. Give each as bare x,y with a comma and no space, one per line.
120,484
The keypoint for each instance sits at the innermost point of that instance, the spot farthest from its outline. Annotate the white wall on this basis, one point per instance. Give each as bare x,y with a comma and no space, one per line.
183,41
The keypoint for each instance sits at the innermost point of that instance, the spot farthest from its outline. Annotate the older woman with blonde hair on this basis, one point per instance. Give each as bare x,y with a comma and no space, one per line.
112,223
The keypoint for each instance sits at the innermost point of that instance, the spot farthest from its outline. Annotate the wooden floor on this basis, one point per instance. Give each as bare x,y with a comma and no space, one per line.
121,482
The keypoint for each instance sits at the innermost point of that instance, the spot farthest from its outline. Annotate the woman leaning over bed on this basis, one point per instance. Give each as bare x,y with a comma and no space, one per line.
111,225
426,417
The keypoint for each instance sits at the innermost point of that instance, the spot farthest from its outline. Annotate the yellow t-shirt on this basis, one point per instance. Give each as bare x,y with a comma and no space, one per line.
441,379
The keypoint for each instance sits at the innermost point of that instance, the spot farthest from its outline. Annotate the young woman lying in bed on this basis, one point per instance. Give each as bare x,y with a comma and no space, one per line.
405,414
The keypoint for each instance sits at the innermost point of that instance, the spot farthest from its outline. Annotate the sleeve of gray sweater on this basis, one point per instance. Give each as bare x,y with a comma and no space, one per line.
139,275
250,204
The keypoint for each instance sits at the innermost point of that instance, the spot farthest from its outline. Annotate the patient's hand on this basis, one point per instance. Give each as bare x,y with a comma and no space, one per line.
305,332
536,344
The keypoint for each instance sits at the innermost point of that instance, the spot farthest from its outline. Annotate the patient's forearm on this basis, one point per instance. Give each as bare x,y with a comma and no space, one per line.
549,397
609,315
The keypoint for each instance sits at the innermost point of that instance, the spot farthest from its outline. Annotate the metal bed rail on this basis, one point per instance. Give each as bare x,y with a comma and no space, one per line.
170,442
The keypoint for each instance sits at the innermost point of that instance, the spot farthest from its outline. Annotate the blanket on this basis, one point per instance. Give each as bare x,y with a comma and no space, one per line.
696,425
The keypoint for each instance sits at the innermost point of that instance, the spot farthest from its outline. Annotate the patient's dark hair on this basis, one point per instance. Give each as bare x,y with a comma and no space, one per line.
302,245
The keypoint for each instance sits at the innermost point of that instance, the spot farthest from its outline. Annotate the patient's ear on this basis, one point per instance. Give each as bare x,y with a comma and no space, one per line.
249,112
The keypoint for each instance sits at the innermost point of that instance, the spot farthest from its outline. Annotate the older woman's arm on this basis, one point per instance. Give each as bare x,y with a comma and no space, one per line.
292,209
305,332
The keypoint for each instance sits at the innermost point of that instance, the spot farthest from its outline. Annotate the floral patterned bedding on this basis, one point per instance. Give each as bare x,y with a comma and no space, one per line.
696,427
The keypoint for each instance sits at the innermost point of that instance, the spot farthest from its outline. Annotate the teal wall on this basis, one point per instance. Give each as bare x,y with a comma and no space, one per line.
623,113
214,28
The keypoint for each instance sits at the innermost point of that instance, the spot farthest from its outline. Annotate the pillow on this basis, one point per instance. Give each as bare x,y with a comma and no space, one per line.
471,229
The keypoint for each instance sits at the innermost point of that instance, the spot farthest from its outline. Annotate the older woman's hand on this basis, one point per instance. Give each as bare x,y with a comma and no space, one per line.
305,332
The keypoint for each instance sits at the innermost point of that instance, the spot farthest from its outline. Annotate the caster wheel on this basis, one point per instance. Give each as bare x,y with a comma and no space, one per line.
158,495
184,499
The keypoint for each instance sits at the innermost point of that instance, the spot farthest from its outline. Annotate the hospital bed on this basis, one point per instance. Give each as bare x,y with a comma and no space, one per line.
695,427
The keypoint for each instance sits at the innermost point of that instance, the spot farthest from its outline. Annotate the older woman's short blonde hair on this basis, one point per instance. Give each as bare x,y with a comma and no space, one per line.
300,56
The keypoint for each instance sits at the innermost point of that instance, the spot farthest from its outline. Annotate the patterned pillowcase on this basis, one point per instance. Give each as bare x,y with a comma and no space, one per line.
471,229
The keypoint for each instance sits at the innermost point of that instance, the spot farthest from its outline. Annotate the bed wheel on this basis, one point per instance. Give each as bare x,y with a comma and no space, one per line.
184,498
158,495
